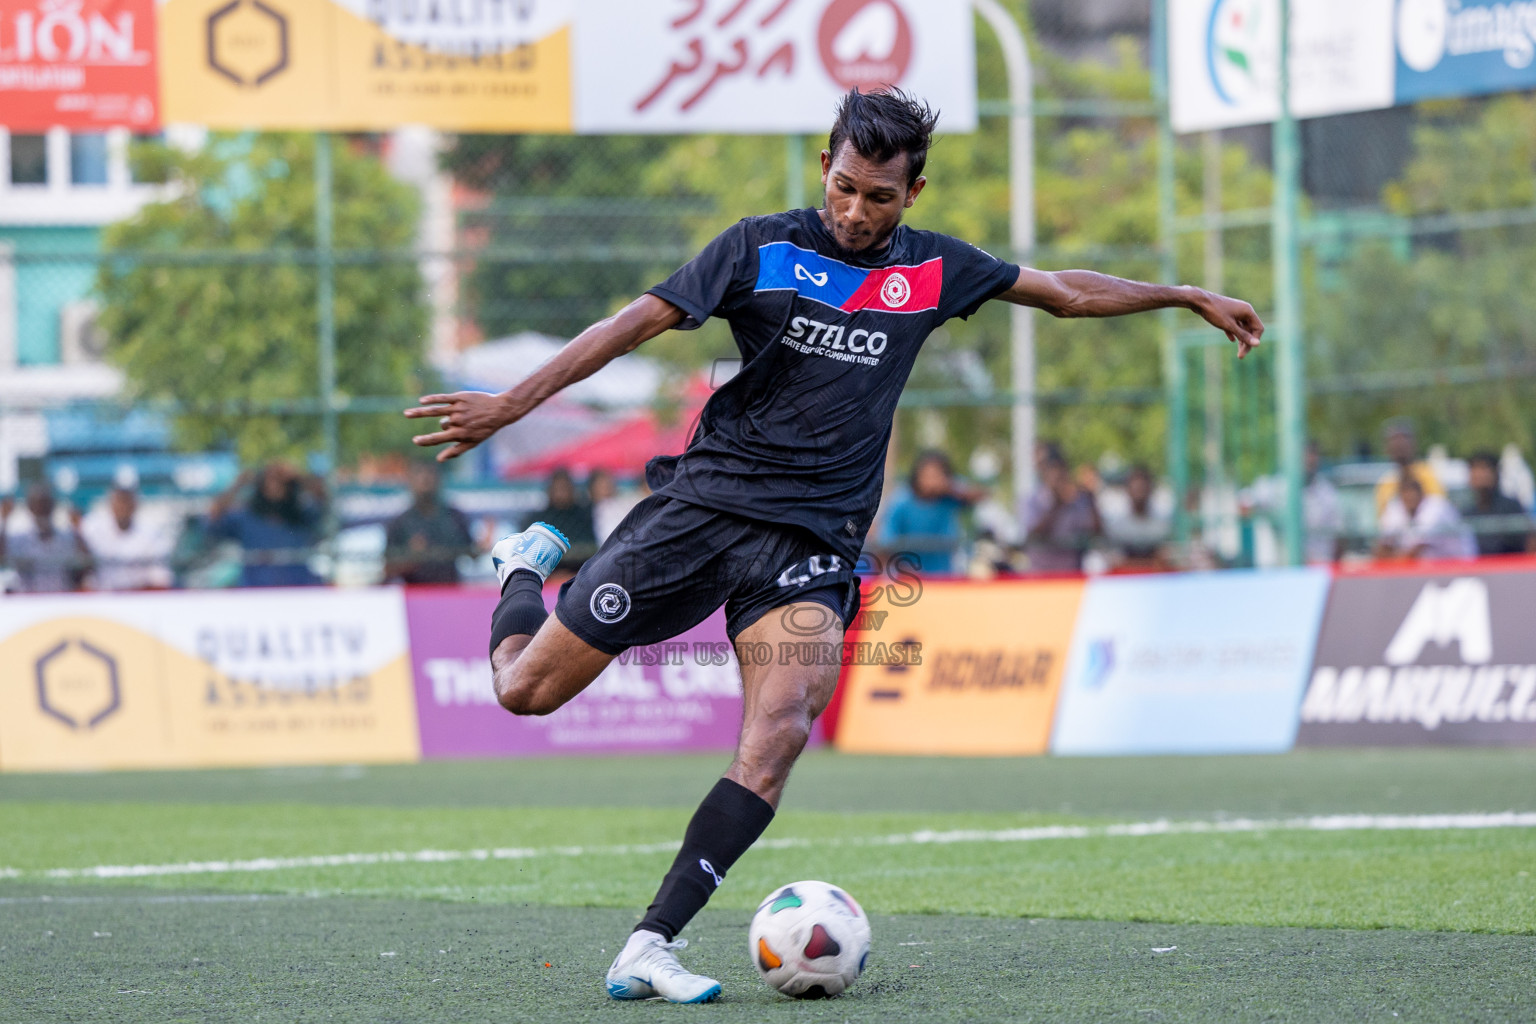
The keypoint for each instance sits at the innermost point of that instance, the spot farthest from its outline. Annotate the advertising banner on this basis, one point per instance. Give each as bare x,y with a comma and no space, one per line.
85,65
961,668
1464,47
486,65
1207,663
1224,60
765,66
187,679
681,695
1425,659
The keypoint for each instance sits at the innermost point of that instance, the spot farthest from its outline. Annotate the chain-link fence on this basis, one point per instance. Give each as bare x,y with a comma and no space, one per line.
178,346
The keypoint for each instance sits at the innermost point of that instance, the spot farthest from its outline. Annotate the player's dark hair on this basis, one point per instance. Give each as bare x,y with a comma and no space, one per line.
879,125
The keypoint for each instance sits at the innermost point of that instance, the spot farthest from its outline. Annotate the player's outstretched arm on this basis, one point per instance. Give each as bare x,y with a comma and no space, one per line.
469,417
1078,293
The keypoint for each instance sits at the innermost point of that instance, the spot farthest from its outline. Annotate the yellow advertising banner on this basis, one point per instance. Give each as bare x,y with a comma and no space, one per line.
204,680
459,65
985,665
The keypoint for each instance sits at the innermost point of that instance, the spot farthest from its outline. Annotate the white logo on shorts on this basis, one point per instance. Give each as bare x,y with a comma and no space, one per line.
896,291
610,603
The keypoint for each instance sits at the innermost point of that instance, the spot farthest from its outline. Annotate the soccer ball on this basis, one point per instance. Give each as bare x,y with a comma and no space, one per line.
809,940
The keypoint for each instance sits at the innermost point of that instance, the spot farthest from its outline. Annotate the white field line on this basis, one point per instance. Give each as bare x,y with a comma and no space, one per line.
1140,829
250,897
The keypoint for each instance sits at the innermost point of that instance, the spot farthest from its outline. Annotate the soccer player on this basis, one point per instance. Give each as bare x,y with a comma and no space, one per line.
767,510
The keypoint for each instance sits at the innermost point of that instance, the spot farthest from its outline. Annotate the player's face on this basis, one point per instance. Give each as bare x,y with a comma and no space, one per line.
864,200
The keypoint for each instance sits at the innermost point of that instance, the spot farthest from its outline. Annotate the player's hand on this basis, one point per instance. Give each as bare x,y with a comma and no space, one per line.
1234,318
466,419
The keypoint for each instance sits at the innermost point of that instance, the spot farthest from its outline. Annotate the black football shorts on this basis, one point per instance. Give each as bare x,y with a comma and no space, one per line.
670,564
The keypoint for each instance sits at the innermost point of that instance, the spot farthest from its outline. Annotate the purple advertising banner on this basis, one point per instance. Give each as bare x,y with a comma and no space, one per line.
684,694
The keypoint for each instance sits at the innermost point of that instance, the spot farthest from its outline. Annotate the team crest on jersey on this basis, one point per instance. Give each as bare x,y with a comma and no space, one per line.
896,291
610,603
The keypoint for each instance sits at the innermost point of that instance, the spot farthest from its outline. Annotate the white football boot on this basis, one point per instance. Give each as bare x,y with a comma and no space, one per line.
537,549
646,967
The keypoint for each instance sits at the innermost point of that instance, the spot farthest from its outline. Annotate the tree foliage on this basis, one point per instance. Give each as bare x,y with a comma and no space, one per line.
1440,326
225,336
569,226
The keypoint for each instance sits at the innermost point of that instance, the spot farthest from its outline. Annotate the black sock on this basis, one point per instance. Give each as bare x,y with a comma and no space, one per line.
520,612
728,822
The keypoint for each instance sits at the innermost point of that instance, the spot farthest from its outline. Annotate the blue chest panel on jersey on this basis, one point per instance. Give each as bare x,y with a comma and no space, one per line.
784,266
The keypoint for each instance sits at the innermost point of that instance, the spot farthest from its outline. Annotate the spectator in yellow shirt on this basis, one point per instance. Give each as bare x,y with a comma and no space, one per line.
1403,449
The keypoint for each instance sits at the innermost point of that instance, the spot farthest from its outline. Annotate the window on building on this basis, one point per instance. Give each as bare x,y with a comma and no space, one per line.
29,160
88,158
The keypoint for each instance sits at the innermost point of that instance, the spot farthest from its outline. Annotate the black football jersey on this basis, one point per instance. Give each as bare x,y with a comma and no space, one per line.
827,341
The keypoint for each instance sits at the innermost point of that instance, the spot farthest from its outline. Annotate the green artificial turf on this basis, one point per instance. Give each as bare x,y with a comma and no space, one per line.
1427,780
1473,880
131,957
1280,924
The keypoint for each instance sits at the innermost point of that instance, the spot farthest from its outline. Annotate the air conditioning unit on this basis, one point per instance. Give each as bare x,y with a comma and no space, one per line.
80,340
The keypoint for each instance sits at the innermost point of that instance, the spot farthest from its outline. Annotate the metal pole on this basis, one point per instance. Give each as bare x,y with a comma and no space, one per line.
1215,274
794,171
1290,371
1175,376
326,274
1021,231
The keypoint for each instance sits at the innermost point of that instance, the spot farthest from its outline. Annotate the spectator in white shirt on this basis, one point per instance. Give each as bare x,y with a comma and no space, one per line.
131,551
46,559
1140,534
609,505
1322,512
1424,526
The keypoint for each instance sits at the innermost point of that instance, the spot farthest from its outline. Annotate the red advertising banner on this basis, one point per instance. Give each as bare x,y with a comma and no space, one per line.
85,65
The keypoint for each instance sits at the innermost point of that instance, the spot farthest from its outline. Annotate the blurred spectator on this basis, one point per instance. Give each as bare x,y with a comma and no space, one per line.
925,519
565,513
1420,525
47,560
1515,478
131,551
1046,452
1403,449
277,527
609,507
423,543
1321,513
1501,524
1061,520
996,531
1140,535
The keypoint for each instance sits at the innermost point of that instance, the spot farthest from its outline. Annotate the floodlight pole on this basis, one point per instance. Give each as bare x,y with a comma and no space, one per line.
1021,230
1290,367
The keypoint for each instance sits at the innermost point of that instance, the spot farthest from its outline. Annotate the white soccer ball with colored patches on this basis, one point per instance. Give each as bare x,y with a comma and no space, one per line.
809,940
